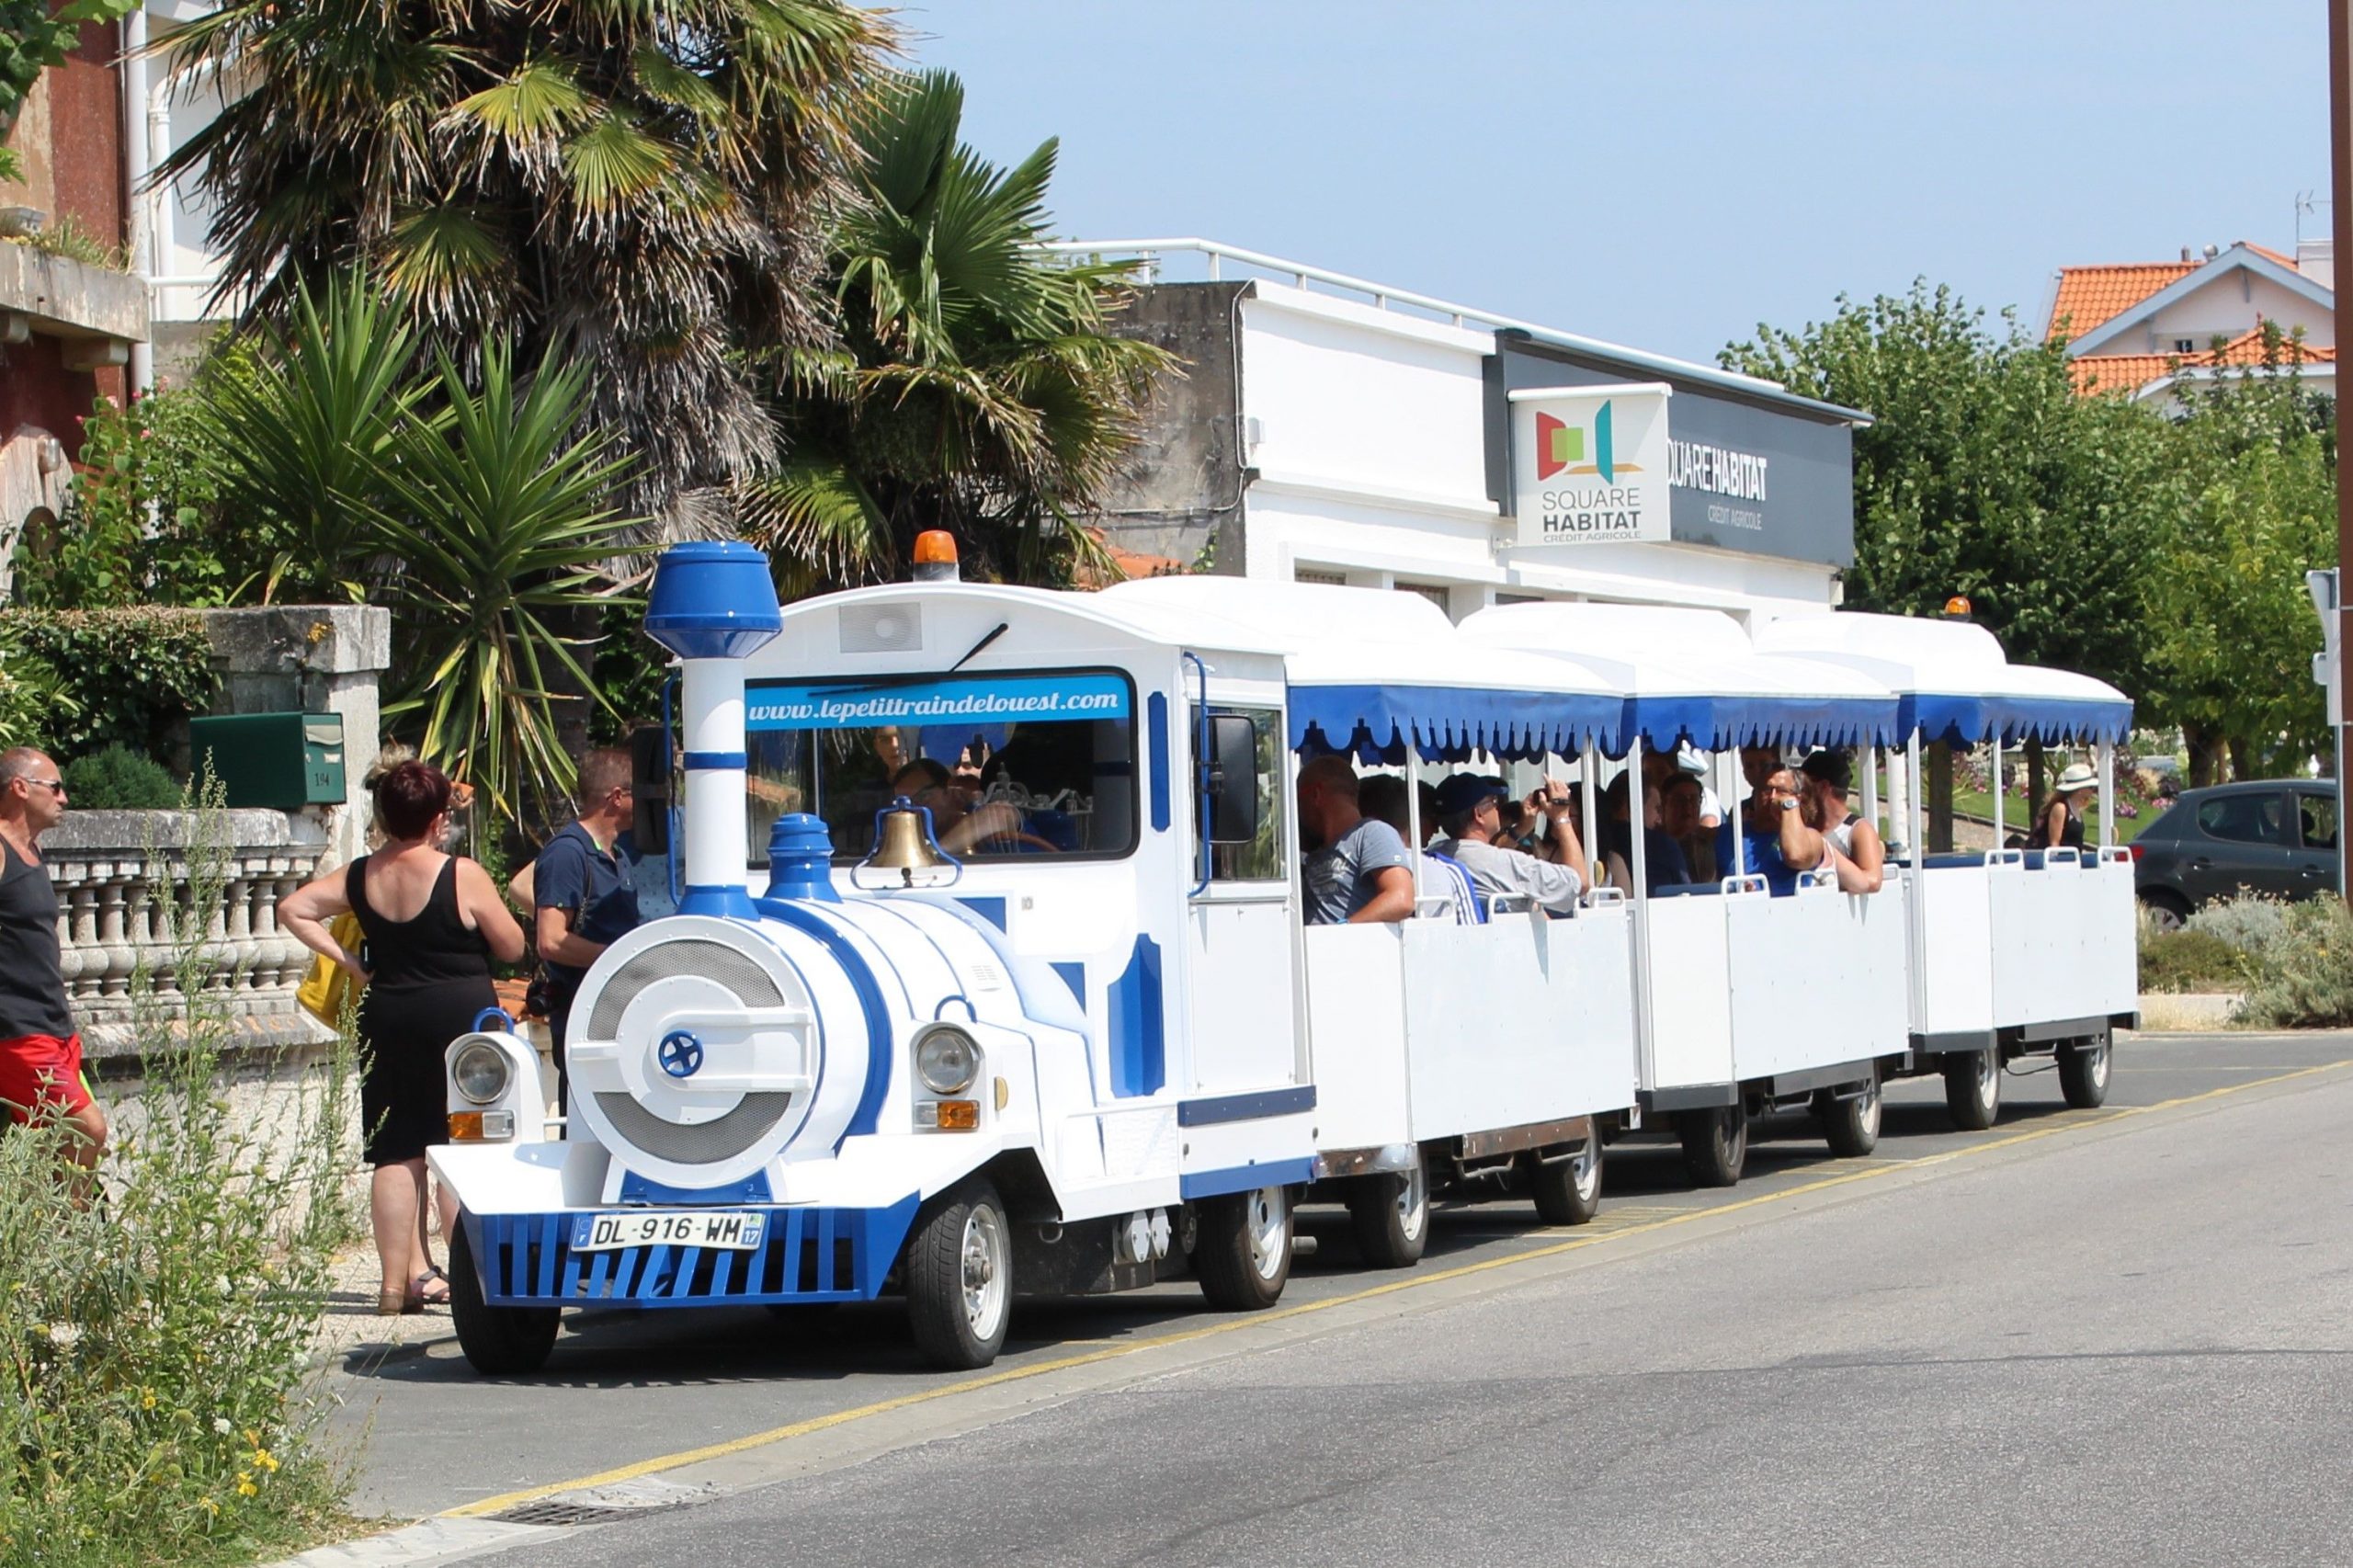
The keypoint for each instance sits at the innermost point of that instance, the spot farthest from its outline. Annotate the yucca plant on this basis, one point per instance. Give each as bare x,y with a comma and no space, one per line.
497,517
644,182
977,387
302,434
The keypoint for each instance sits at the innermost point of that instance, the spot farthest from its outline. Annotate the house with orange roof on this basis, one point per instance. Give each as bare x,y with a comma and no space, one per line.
2142,329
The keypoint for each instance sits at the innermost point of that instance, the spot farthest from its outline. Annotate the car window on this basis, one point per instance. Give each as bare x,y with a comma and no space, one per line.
2319,814
2242,819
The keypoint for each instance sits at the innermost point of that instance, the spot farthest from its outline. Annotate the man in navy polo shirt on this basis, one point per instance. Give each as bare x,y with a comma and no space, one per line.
583,893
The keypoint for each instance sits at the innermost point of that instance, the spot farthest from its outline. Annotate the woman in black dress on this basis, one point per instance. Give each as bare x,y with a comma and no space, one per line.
432,923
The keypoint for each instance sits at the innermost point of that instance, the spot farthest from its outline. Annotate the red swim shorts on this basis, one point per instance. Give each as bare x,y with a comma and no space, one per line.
42,1070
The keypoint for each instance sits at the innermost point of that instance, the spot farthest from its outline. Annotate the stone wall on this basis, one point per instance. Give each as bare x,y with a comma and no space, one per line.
312,659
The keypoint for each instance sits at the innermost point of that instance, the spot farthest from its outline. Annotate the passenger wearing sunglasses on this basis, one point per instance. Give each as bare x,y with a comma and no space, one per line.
40,1052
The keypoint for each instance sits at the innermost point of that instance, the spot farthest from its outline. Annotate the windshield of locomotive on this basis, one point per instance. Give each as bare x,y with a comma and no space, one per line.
1037,765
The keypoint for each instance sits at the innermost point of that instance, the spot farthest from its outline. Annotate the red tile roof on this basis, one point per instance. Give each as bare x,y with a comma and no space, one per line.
2130,373
2090,295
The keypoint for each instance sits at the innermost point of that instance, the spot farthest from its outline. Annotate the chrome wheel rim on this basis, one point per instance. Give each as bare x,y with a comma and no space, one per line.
1413,1202
2099,1063
1266,1216
984,1256
1989,1077
1866,1112
1585,1168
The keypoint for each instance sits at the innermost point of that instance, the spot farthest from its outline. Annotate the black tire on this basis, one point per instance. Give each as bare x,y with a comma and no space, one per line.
2083,1070
1851,1123
1568,1191
1973,1088
1715,1144
959,1277
499,1342
2167,909
1391,1213
1243,1257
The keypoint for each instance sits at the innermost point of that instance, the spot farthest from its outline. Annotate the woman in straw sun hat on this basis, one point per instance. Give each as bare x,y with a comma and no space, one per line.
2060,823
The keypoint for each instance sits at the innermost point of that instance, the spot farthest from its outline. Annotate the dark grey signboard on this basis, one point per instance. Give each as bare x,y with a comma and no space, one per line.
1755,474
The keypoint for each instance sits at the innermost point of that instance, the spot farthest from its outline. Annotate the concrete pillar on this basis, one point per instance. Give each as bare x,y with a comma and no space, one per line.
312,659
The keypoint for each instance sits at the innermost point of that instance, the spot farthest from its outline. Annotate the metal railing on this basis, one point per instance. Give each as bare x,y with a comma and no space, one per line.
1219,256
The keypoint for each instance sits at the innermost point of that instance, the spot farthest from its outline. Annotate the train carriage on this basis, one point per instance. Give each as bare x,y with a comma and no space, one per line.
989,978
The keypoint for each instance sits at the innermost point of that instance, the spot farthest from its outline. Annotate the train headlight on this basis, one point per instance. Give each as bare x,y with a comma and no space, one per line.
947,1058
481,1072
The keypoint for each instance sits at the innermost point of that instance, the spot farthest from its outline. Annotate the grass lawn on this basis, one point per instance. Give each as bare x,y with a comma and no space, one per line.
1977,803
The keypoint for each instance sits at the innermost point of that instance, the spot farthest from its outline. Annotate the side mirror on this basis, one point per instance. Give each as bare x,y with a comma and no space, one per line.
649,776
1232,779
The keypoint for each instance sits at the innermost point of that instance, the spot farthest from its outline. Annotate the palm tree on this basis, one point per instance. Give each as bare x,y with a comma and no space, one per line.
977,388
643,184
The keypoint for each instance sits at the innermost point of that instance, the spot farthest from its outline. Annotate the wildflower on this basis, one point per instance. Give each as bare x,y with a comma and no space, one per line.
265,1460
253,1439
246,1487
222,1287
208,1505
221,1425
64,1335
146,1399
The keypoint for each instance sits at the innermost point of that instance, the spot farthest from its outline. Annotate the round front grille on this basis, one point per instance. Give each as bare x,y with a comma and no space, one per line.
706,1144
689,954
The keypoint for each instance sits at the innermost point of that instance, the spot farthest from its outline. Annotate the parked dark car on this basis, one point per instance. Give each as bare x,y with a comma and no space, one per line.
2273,835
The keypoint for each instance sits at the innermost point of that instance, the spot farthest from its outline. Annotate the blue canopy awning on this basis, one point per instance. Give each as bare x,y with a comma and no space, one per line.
1448,723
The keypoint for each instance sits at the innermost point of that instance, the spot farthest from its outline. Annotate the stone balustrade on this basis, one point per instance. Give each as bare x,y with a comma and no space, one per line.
125,883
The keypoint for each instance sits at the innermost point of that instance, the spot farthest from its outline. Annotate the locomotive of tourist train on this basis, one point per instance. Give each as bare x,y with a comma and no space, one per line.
1015,997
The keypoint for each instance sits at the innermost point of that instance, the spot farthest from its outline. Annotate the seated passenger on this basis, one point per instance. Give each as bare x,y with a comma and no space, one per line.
1827,778
1360,875
1382,798
1780,844
1682,808
1467,803
1663,862
2060,823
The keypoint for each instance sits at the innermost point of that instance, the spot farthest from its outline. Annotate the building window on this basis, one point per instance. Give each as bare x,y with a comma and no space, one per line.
2185,346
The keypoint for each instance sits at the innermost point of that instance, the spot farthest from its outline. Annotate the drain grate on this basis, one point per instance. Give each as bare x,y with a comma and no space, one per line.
604,1506
553,1512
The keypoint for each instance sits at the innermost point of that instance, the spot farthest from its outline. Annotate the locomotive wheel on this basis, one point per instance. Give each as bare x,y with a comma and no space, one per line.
1391,1216
1715,1144
1850,1125
960,1277
1568,1192
1244,1253
2083,1070
1973,1088
499,1342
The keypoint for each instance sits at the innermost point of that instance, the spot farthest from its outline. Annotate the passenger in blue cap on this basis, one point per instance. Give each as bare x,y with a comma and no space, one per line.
1467,808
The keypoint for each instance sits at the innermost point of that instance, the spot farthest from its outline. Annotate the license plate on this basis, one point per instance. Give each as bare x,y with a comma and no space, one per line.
728,1230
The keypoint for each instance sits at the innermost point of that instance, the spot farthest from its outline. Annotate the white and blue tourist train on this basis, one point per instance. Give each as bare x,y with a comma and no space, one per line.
1014,998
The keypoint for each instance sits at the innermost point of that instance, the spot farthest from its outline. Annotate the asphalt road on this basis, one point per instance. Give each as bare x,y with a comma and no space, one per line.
2083,1337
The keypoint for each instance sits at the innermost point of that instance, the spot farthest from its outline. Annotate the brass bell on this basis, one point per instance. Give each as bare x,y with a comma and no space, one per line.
905,843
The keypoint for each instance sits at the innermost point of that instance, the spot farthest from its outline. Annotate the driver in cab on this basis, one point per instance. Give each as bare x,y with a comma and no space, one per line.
1362,874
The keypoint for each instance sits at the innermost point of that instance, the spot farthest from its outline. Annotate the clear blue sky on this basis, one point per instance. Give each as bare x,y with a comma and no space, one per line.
1664,175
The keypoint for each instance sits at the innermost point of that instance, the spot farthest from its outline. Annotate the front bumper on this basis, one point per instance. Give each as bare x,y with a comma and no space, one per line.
805,1254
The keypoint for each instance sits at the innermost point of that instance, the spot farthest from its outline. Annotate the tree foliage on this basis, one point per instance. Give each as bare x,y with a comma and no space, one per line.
1983,473
645,185
975,389
2231,632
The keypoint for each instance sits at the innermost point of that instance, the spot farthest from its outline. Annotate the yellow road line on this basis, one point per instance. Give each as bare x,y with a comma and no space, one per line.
1415,1281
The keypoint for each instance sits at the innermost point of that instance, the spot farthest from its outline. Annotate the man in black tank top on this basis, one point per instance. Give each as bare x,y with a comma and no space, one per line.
40,1054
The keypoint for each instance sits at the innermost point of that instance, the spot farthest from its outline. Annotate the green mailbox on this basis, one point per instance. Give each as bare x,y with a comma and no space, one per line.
272,759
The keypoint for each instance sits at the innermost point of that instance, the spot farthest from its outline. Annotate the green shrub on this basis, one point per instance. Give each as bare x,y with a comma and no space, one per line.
131,674
33,698
156,1348
120,780
2249,922
2192,961
2307,978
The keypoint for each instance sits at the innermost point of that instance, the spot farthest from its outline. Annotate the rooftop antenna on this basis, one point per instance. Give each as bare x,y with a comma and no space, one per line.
2308,204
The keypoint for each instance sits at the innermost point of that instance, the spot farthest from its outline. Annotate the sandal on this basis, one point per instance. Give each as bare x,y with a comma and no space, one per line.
396,1303
421,1291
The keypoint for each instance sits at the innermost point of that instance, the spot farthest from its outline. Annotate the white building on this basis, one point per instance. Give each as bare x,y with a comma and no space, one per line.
1332,429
